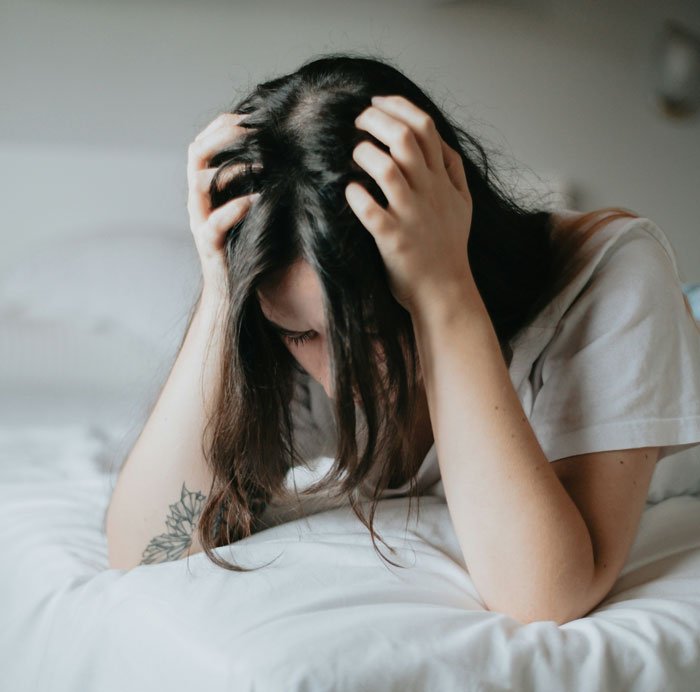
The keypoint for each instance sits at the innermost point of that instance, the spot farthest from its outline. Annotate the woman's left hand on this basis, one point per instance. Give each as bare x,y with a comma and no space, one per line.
422,234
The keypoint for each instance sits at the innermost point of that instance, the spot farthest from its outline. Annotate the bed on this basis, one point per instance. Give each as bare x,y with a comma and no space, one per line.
80,370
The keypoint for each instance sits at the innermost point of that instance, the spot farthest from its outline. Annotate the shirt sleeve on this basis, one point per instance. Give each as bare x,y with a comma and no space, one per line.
623,367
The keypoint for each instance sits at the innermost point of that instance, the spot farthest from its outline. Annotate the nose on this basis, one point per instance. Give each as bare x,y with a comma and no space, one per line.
326,383
327,389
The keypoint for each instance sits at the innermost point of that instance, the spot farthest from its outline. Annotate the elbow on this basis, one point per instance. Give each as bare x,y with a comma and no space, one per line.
571,600
558,613
571,596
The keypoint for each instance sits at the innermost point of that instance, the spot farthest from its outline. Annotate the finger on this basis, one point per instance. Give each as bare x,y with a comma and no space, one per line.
372,216
203,179
220,120
199,199
422,124
201,150
385,172
223,218
402,143
455,167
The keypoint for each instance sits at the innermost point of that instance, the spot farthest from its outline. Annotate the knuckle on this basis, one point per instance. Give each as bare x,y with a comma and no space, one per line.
225,126
194,149
218,121
380,223
389,172
427,124
211,126
374,214
214,219
202,181
404,135
198,180
368,209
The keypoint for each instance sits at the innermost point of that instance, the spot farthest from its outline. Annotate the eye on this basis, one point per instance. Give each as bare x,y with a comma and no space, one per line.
298,339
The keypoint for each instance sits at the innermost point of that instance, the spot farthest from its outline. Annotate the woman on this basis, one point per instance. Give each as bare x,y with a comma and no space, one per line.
360,250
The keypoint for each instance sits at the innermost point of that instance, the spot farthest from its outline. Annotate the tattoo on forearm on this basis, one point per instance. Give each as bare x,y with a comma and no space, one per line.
181,523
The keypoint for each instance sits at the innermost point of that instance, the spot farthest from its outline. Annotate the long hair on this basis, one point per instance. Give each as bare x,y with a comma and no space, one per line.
300,136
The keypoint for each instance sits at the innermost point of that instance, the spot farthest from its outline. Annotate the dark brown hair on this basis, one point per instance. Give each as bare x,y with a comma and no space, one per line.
302,133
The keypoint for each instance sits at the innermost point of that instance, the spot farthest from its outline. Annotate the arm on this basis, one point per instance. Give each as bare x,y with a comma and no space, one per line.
543,541
162,487
164,481
525,542
536,545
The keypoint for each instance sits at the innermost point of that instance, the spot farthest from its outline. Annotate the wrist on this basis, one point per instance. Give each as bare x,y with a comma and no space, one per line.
213,294
454,298
212,303
459,314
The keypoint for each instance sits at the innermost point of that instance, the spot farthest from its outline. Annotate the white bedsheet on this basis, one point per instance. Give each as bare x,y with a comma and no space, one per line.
328,614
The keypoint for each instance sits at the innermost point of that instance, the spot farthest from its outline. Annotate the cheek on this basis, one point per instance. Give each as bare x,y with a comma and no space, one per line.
308,355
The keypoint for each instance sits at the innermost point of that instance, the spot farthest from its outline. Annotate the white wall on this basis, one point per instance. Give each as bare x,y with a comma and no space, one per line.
100,99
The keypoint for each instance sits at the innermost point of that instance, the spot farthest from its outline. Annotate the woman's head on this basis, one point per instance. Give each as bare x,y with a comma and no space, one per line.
292,305
301,259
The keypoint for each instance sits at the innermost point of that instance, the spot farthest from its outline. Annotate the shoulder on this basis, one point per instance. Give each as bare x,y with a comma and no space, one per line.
632,272
612,233
629,294
631,258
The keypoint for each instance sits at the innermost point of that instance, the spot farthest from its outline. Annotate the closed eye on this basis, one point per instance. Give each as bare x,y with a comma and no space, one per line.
300,339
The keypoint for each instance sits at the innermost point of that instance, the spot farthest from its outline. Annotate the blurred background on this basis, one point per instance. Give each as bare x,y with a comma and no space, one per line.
583,104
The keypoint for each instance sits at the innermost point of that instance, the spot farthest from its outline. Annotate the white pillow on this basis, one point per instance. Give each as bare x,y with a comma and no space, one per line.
139,281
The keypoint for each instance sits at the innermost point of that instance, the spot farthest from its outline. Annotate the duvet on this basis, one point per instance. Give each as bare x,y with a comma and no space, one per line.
326,614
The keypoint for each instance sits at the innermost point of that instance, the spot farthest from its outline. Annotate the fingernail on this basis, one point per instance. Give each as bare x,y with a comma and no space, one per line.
378,99
254,196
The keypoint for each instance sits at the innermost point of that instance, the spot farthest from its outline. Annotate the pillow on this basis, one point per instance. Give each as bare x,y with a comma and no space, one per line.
675,474
679,473
141,282
54,373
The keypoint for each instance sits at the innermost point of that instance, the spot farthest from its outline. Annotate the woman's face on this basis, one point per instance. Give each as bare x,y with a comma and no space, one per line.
293,305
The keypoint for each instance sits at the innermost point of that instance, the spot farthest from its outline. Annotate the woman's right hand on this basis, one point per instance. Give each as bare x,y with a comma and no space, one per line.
209,227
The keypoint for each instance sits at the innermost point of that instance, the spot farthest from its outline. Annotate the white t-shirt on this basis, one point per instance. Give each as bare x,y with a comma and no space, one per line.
613,362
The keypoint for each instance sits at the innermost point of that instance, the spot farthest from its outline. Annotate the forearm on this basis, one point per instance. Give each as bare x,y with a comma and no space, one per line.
525,543
168,454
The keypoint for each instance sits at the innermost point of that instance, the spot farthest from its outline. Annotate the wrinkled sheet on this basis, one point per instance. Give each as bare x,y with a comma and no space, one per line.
327,614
